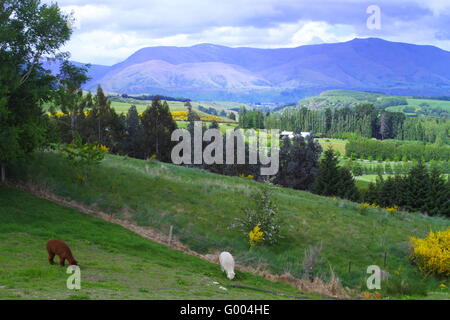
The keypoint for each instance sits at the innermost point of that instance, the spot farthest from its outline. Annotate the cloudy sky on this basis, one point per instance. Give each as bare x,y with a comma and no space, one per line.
108,31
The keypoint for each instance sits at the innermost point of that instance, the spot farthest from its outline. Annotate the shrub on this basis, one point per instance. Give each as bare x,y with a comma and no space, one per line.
83,154
255,236
264,215
432,254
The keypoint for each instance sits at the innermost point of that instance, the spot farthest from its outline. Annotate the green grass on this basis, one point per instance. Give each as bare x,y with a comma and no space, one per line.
115,263
175,106
203,207
336,144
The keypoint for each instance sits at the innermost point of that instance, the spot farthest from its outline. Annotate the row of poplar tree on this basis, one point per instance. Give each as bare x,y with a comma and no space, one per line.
364,120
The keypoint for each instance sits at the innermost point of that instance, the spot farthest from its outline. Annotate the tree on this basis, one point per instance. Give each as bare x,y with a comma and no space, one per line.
158,126
69,95
103,124
134,134
214,125
417,184
385,125
437,200
298,163
328,175
346,187
28,31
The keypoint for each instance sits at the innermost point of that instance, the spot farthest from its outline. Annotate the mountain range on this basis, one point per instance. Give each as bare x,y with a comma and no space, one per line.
213,72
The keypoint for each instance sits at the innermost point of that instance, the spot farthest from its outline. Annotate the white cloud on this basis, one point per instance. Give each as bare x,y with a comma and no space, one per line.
107,31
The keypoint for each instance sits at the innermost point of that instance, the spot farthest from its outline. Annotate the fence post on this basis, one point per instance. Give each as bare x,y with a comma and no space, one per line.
170,235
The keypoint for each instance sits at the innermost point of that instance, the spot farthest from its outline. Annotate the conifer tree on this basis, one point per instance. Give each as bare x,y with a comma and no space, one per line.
328,174
158,126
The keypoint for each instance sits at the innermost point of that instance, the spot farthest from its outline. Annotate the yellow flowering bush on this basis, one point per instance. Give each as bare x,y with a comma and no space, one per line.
432,254
393,209
255,236
180,116
81,154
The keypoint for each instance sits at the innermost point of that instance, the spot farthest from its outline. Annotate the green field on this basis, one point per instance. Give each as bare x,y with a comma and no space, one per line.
349,98
176,106
336,144
203,206
422,106
115,263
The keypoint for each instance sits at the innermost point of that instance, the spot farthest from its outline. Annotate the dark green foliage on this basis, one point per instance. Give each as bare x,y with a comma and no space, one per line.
346,188
365,148
28,31
298,163
134,135
158,127
421,190
328,175
333,180
103,125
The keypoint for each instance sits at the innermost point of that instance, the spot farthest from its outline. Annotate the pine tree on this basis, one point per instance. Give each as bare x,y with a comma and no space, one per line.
438,195
298,163
328,175
346,187
158,126
417,184
134,137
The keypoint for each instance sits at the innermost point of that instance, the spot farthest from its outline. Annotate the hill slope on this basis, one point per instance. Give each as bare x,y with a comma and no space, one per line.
115,263
203,207
211,72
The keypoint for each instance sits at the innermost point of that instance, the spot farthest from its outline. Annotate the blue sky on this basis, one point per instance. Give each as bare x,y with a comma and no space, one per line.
108,31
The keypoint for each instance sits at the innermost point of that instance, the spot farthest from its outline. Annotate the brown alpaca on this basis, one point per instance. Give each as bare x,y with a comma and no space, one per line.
57,247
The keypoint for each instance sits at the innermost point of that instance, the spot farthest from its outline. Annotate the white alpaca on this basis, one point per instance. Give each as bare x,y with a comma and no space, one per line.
227,264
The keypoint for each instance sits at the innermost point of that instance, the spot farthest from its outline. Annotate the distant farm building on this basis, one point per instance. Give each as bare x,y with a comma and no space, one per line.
291,134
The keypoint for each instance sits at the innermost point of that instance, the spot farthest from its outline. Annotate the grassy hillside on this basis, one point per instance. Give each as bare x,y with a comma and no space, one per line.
115,263
202,207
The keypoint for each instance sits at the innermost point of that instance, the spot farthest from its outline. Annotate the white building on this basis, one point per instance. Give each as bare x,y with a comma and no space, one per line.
290,134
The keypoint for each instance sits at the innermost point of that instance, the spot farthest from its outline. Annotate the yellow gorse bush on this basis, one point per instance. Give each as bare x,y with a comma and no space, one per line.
432,254
180,115
255,236
393,209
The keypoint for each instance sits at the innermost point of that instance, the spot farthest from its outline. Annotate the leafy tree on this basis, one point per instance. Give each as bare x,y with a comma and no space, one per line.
28,31
69,95
103,123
